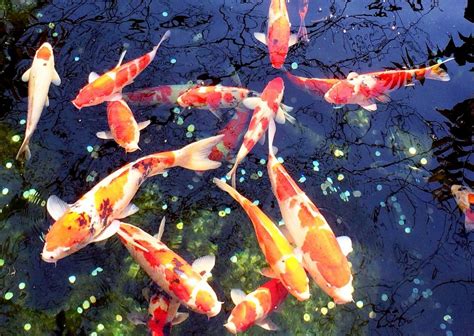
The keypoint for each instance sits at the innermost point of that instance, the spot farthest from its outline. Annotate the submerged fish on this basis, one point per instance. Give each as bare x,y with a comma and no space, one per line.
324,255
108,86
278,38
278,252
124,129
166,95
303,10
39,77
186,283
465,199
164,314
254,308
94,216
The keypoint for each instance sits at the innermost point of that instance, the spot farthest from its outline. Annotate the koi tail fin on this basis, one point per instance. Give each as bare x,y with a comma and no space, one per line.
232,174
24,150
271,134
228,189
436,72
155,49
195,156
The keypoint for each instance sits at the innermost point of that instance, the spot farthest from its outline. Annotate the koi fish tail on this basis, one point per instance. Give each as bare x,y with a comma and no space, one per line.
303,32
227,188
24,150
155,49
195,156
232,174
271,134
435,72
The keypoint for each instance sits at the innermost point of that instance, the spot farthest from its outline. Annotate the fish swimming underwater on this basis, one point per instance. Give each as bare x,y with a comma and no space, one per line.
303,10
166,95
94,216
266,107
278,38
465,199
124,129
186,283
164,315
254,308
278,252
108,87
324,255
39,77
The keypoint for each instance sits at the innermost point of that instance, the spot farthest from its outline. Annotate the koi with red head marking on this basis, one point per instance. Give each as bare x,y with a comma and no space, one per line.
108,86
183,282
166,95
278,252
164,314
278,38
324,255
94,216
255,307
465,200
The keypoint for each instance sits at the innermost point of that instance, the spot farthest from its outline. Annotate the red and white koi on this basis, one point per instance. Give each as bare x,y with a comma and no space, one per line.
303,10
124,129
94,216
39,77
166,95
278,37
108,87
186,283
278,252
266,107
465,199
324,255
164,314
255,307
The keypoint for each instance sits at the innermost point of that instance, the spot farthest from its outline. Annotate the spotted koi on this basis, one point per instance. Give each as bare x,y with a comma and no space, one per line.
465,200
166,95
94,217
278,252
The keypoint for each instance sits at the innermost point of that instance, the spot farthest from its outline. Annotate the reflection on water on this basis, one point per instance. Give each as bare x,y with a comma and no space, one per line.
373,175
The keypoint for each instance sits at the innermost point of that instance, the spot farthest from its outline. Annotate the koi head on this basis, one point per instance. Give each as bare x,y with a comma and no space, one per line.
45,51
343,294
296,276
206,300
192,97
86,97
340,93
278,40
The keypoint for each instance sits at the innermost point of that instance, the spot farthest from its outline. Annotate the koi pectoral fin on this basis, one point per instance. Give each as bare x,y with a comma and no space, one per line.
56,79
293,40
105,135
267,324
260,37
204,266
26,76
143,124
128,211
268,272
92,77
56,207
180,318
346,244
237,296
108,232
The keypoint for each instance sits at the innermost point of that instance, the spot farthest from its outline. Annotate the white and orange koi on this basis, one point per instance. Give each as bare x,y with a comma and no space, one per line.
108,87
267,106
94,216
278,252
124,129
255,307
39,77
324,255
164,315
165,95
303,10
465,200
278,37
185,283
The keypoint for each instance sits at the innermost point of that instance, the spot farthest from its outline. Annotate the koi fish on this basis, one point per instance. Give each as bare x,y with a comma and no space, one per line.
166,95
164,314
278,252
183,282
124,129
303,10
232,132
324,255
94,216
266,107
278,38
365,89
255,307
108,86
314,86
39,77
465,199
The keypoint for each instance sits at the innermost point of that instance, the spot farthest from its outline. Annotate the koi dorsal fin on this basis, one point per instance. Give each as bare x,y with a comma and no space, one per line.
267,324
56,207
346,244
237,296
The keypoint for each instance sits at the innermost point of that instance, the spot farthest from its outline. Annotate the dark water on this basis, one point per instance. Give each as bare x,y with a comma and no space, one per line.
412,259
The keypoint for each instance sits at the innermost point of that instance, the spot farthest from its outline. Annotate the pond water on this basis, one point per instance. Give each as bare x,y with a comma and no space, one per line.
382,178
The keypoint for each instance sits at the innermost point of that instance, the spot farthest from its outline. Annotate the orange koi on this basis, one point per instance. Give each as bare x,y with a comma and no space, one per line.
124,129
255,307
164,314
183,282
324,255
278,252
465,199
94,216
278,38
166,95
108,86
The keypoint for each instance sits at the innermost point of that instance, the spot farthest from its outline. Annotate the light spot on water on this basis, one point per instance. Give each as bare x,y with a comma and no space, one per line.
412,150
294,65
233,259
423,161
15,138
356,193
306,317
338,153
324,310
407,230
8,296
176,110
100,327
92,299
27,327
22,121
55,34
189,134
263,161
165,14
227,210
164,206
79,310
51,25
340,177
119,318
39,15
360,304
8,165
442,326
180,225
72,279
280,159
302,179
331,305
2,262
86,305
191,128
384,297
76,59
372,315
222,213
379,187
448,318
21,285
449,333
256,202
4,191
173,60
90,149
377,153
382,204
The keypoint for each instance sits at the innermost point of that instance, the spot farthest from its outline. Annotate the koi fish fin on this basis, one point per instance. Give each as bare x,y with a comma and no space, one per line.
26,75
161,229
438,73
369,106
106,135
298,252
268,272
143,124
126,236
237,296
260,37
116,96
155,49
346,244
383,98
232,174
204,265
251,102
108,232
227,188
280,116
128,211
286,108
179,318
261,141
293,40
286,233
267,324
56,207
172,307
92,77
195,156
24,150
46,102
271,135
122,55
137,318
56,79
216,113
